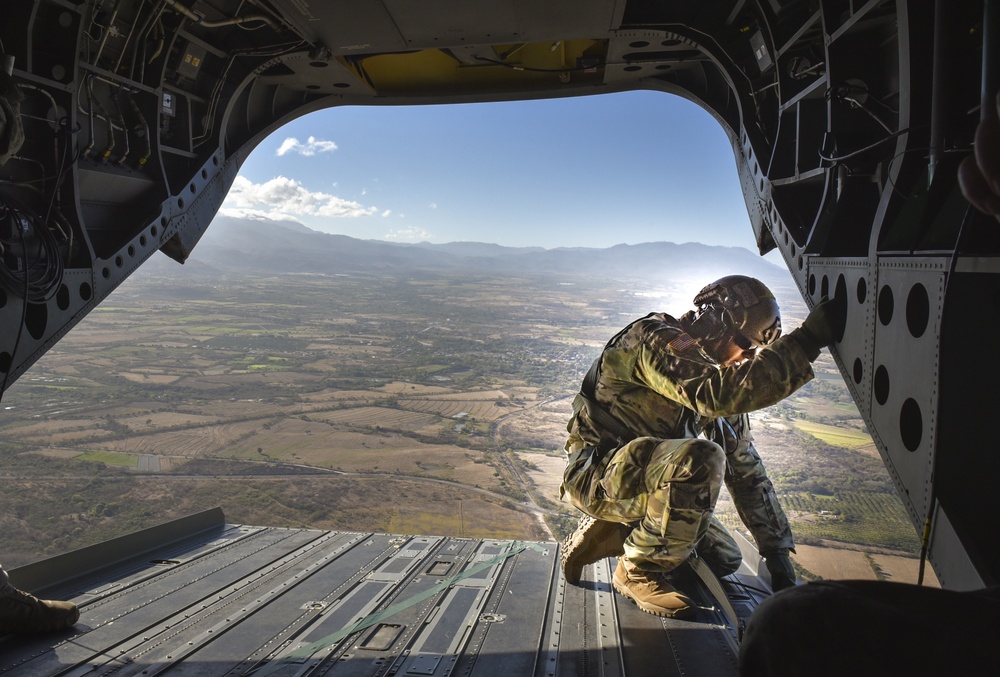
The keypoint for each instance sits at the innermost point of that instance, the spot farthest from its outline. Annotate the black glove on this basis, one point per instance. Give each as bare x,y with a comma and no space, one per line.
817,331
779,565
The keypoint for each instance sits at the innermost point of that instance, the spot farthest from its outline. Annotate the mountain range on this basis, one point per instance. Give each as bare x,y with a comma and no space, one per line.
235,244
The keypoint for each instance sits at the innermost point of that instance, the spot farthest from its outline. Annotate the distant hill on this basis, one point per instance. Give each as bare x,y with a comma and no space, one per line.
234,244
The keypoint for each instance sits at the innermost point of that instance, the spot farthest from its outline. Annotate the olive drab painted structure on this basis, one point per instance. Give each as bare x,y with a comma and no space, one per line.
123,124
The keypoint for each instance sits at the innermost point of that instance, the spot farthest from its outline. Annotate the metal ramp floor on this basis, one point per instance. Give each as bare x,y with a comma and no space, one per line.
243,600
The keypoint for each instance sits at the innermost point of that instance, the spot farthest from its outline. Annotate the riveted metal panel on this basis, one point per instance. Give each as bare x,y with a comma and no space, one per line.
855,280
904,403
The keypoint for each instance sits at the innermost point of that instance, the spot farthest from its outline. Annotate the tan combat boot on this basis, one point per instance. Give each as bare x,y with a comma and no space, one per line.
592,541
650,591
24,613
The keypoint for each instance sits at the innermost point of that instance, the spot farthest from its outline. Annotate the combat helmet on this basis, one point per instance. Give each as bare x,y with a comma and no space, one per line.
743,305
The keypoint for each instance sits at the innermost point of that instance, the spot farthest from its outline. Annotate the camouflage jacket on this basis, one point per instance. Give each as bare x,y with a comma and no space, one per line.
655,380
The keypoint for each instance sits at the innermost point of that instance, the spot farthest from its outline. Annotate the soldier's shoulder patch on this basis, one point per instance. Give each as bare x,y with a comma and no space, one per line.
682,342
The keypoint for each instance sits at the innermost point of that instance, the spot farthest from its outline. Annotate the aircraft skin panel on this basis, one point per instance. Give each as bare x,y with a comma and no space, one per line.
908,305
958,567
264,601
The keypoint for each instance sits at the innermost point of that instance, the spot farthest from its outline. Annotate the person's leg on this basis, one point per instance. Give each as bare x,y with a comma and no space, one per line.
602,531
667,489
24,613
673,485
719,549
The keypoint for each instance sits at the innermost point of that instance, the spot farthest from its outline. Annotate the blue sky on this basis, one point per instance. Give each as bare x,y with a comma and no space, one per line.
586,171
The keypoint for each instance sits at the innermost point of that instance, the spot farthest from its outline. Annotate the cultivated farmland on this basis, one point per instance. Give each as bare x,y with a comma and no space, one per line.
296,401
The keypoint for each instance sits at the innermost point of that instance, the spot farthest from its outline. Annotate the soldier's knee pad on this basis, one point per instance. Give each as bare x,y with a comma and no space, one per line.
702,457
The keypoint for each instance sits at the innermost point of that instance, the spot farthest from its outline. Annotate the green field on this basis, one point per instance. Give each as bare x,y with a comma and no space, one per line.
838,437
852,517
111,458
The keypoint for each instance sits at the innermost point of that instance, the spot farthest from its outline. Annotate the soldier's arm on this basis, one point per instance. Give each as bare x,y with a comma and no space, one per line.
717,392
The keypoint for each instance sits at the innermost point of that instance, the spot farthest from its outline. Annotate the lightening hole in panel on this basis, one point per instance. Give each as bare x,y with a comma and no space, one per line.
36,316
859,370
918,310
911,424
885,305
62,298
881,384
840,309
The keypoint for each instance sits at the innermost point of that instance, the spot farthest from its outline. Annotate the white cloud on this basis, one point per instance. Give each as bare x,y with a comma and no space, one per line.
387,212
309,148
257,214
433,205
411,234
285,197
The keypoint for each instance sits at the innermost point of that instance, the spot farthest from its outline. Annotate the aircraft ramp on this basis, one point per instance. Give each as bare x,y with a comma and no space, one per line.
202,597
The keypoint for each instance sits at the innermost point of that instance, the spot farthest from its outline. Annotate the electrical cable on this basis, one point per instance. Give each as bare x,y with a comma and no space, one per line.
42,268
285,48
857,104
20,332
859,151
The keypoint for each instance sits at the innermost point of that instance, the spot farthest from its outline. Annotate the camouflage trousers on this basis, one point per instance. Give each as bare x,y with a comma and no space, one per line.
666,490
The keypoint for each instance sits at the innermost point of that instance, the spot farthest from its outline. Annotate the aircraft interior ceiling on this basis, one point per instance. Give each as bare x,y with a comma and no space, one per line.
126,121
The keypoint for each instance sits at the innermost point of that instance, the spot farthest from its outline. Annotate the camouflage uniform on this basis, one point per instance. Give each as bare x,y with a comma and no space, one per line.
656,382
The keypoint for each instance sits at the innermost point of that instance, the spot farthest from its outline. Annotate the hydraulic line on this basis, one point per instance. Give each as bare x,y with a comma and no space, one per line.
234,21
128,38
107,31
143,40
106,153
148,150
121,119
90,116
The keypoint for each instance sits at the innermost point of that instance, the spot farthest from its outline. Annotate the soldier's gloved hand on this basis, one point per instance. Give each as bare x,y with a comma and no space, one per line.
979,174
817,330
779,565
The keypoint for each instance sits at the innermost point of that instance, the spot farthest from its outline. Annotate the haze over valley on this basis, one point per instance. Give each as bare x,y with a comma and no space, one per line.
310,380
